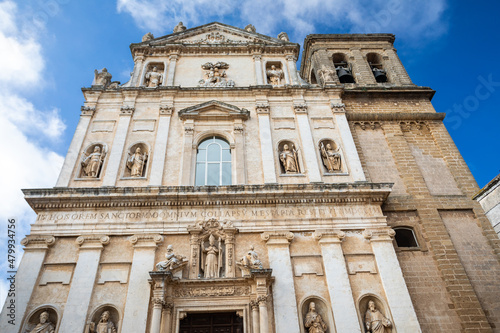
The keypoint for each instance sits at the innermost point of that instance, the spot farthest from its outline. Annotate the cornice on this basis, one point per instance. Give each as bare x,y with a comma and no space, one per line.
190,196
395,116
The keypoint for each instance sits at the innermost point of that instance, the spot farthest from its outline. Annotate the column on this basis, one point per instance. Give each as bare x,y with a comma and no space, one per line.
230,262
115,155
337,279
137,72
82,283
254,305
87,111
263,316
310,157
136,308
25,280
156,315
266,144
166,318
258,69
171,69
398,298
350,151
292,67
160,147
285,305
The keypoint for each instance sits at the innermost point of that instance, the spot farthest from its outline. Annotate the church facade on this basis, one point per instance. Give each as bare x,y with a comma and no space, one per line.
222,190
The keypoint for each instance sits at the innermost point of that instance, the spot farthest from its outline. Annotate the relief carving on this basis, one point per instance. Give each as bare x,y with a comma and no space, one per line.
215,76
173,261
330,156
212,291
313,320
375,322
92,162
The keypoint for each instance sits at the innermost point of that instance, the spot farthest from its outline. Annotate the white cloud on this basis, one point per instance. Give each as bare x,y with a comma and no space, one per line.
25,162
413,20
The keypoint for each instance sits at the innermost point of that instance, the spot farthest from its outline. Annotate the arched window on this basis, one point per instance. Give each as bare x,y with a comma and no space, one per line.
405,237
213,162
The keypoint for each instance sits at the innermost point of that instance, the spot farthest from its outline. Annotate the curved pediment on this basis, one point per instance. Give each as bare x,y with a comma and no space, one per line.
214,110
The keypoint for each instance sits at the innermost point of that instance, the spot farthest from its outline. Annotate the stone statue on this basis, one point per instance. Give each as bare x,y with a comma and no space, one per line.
375,321
283,36
147,37
251,260
102,78
289,159
92,163
104,325
213,258
179,27
250,28
313,320
136,162
327,74
274,75
331,158
153,78
44,326
172,261
215,76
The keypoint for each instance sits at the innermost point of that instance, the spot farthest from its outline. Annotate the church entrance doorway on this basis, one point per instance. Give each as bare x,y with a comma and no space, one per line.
216,322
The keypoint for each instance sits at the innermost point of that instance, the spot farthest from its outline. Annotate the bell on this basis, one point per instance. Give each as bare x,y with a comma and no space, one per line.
379,75
344,75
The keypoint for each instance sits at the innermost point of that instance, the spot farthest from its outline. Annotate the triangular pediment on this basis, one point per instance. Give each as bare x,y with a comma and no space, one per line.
213,110
216,34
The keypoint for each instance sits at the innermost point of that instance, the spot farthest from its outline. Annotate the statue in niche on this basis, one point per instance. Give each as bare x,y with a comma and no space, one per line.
289,159
147,37
313,320
375,321
179,27
215,76
44,325
104,325
172,262
102,78
274,75
153,78
212,261
331,157
91,163
283,36
136,162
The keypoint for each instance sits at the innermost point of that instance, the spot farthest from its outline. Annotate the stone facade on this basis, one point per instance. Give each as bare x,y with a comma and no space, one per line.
221,180
489,198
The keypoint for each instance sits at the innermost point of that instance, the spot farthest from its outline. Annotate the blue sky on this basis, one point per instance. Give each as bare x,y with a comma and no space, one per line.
50,48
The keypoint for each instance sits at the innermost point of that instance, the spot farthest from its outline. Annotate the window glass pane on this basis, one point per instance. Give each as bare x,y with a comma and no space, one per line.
405,238
213,152
222,142
226,174
213,174
205,143
201,156
200,174
226,155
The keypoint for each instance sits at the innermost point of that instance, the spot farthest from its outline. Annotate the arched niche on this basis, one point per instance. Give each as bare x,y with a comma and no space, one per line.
289,158
137,161
34,318
321,308
92,161
331,156
153,75
97,314
380,305
376,63
343,68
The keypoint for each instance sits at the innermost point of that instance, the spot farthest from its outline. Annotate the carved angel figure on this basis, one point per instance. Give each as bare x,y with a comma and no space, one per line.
213,258
313,320
44,326
289,159
331,158
274,75
172,261
251,260
375,321
92,163
153,78
102,78
104,325
136,162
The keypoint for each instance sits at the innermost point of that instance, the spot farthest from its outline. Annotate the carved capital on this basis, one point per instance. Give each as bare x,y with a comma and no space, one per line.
37,242
291,57
262,108
254,305
379,235
157,302
337,107
300,108
126,110
188,130
262,300
168,306
329,236
238,129
92,241
257,57
173,57
87,110
166,110
146,240
277,238
139,58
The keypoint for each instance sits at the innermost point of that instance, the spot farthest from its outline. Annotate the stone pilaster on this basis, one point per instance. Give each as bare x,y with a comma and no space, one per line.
292,68
171,69
337,279
285,306
258,69
82,283
398,297
254,305
166,318
239,142
185,170
263,315
266,143
138,294
138,69
397,67
160,148
35,249
361,67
